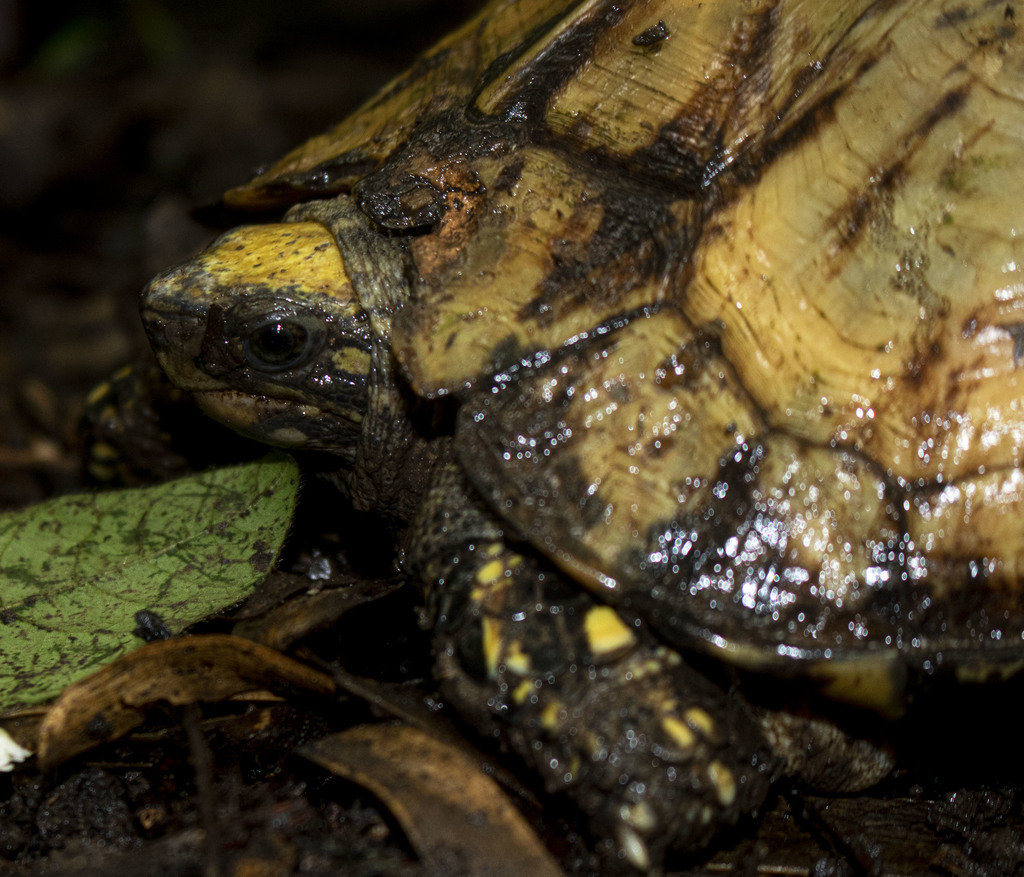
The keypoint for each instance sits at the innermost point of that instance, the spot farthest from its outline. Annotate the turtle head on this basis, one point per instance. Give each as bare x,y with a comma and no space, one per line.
265,329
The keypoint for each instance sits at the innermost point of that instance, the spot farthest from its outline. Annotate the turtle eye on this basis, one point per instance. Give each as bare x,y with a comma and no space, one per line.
277,344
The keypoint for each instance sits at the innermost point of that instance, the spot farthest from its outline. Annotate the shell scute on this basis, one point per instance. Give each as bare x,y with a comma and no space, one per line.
845,276
567,249
442,81
716,85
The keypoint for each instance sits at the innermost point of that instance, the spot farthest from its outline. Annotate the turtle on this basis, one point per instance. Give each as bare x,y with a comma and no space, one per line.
680,343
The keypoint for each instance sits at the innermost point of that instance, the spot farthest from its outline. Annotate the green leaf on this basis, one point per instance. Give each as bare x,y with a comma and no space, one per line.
75,570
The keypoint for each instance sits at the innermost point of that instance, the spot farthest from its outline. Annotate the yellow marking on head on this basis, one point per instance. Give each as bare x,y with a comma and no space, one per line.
724,782
102,471
300,255
522,691
606,632
102,452
494,549
696,718
287,436
352,360
490,573
679,731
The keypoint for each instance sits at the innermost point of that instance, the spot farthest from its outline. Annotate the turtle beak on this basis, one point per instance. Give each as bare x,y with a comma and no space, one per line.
176,324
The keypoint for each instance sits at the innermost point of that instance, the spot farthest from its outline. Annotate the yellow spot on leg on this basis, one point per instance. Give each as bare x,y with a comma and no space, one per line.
639,815
490,573
633,848
522,691
491,645
517,660
97,393
699,720
679,731
551,715
724,782
606,633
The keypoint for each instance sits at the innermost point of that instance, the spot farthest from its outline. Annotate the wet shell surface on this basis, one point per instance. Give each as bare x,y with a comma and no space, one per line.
733,294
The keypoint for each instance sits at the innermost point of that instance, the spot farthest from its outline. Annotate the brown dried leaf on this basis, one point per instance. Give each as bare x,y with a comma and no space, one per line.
455,816
302,615
112,701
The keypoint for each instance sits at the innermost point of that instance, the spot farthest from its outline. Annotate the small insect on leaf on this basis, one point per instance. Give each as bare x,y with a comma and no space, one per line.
656,33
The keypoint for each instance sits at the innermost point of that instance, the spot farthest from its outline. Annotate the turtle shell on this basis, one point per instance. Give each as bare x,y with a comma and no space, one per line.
730,296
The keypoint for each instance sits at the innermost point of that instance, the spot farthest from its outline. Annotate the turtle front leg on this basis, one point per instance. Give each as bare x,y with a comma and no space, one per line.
653,752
